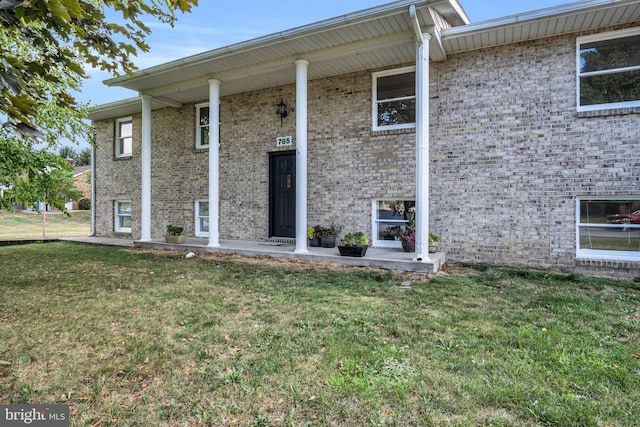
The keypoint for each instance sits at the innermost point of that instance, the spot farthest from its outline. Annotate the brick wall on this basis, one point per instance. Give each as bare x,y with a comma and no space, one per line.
81,183
116,179
348,165
509,156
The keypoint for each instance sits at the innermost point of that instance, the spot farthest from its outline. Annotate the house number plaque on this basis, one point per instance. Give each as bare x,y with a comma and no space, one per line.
284,141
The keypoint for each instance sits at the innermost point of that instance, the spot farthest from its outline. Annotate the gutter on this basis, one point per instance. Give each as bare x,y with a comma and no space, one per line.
416,25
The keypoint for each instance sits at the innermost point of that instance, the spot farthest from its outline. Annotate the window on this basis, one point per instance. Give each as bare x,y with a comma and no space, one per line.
608,228
394,99
609,70
389,219
202,125
122,216
202,218
124,137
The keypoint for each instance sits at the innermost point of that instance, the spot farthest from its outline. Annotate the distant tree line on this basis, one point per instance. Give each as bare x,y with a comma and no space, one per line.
83,158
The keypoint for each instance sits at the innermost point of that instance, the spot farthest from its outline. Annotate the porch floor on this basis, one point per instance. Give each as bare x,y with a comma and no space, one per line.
392,259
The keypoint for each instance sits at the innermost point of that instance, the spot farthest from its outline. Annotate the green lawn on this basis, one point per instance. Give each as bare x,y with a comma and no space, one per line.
133,337
29,225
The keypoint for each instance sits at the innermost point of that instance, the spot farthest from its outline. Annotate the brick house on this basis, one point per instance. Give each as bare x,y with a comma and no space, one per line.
81,182
513,138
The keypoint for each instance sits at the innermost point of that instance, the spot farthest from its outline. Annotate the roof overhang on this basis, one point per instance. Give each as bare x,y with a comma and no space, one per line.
568,18
373,38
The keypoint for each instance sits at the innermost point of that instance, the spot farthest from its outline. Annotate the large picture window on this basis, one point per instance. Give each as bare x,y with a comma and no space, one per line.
124,137
608,228
122,220
394,99
202,218
389,220
609,70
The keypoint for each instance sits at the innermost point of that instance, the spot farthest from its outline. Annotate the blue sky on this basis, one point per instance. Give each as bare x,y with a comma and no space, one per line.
215,24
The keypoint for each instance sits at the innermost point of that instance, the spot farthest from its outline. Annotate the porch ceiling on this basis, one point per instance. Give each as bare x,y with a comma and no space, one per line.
374,38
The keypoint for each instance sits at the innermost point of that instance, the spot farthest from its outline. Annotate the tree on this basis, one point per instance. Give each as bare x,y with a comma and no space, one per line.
67,152
29,176
55,187
46,43
84,157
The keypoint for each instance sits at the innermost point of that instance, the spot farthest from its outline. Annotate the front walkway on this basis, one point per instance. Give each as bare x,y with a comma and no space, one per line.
393,259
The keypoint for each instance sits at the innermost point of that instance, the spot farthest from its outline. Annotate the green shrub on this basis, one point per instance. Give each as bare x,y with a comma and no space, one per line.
84,204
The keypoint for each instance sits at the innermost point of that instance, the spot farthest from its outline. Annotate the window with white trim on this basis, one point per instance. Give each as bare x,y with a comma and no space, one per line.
202,125
124,137
202,218
389,218
394,99
608,228
122,220
608,70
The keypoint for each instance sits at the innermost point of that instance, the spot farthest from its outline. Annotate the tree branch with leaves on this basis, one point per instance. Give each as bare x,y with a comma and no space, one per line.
47,43
45,47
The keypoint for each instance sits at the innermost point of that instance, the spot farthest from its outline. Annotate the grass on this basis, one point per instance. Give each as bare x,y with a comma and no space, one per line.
27,225
133,337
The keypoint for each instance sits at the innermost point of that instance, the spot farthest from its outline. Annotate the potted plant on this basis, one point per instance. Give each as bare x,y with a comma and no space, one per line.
328,235
314,234
354,244
408,239
174,234
408,236
434,242
393,233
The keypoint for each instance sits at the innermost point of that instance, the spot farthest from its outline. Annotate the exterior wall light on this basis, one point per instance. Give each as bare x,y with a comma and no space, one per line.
282,111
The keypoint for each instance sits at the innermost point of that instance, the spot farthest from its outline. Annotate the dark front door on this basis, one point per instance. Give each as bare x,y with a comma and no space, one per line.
282,194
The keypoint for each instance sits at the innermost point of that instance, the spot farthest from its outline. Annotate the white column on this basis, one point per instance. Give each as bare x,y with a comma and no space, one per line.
301,156
145,197
422,150
214,163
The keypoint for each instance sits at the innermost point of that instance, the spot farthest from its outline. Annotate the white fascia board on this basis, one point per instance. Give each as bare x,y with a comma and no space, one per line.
122,108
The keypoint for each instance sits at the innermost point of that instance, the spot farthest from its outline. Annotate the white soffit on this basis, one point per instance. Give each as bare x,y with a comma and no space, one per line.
564,19
369,38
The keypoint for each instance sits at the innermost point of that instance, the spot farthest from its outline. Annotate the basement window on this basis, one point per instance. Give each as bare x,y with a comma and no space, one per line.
608,228
202,218
389,220
122,220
